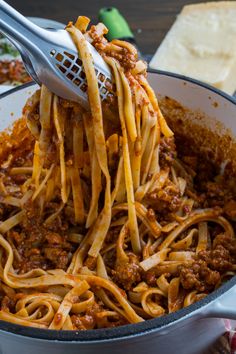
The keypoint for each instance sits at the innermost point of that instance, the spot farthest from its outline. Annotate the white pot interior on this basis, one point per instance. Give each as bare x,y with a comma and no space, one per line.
197,98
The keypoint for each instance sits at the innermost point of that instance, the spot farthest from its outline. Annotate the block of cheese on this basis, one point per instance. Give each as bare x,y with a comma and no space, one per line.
202,44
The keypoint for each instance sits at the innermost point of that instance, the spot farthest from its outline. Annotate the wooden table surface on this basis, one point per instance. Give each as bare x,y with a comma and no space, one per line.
149,20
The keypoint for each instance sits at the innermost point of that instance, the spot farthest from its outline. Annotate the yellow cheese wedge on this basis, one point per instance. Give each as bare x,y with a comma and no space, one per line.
202,44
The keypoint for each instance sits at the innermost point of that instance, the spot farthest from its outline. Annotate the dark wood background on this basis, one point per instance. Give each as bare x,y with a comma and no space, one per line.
149,19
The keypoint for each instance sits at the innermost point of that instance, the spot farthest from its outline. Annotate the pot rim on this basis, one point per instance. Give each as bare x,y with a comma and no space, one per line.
130,330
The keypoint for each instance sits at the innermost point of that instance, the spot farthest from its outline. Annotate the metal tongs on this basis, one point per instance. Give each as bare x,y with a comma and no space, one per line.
51,58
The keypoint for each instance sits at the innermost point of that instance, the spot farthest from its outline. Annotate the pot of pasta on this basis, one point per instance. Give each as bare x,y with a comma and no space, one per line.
117,224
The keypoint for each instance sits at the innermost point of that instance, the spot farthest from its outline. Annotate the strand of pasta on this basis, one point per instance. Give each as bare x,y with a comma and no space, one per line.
44,137
198,216
148,154
102,223
136,155
95,171
163,125
153,226
59,125
110,286
133,225
78,163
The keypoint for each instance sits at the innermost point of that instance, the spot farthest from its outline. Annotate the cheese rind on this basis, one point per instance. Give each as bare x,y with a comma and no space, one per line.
202,44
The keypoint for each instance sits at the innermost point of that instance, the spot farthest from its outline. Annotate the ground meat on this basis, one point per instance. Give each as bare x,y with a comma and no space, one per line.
91,262
38,246
219,259
167,151
16,236
198,277
150,277
87,320
13,71
215,194
113,234
98,321
124,56
165,200
19,179
214,190
33,262
205,174
203,164
127,274
111,322
33,232
205,272
54,238
230,209
99,41
228,243
190,161
40,249
8,304
126,59
151,215
57,256
83,322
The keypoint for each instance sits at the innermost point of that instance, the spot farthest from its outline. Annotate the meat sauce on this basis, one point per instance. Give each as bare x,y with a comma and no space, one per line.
13,72
37,246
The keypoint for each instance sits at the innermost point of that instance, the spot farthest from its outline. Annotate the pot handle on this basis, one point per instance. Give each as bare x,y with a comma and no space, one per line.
224,306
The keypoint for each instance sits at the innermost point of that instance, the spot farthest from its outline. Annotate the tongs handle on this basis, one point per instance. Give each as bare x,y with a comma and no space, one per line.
17,27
